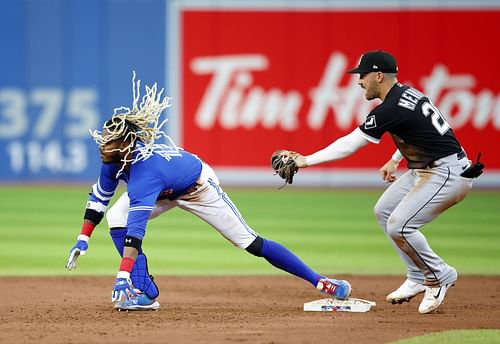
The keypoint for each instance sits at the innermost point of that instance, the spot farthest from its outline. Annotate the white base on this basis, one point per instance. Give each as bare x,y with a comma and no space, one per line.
334,305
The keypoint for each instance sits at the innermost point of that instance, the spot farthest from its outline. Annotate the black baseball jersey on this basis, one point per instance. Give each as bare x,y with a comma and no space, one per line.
417,127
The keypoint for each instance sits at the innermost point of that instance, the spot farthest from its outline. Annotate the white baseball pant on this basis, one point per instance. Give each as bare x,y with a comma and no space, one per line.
209,202
415,199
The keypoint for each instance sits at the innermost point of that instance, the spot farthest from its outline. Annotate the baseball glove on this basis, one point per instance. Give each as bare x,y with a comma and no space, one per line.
283,163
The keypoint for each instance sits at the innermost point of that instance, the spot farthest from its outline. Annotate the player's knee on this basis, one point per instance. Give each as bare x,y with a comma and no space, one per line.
395,227
116,217
255,247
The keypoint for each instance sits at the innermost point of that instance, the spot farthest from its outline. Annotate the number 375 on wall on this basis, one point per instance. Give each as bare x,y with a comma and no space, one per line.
47,128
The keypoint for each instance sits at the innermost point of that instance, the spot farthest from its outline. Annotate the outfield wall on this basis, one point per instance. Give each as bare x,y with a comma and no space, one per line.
246,77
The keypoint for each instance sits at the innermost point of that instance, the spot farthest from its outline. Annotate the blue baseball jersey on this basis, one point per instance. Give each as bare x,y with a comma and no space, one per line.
165,172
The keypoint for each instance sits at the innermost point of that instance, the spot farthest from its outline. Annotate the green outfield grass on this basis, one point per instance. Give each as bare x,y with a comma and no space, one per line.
456,337
334,231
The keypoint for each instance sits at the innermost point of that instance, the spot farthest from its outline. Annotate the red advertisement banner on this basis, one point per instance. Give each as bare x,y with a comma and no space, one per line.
252,81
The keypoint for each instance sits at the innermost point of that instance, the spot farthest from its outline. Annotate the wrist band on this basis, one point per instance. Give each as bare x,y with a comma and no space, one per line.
87,228
127,264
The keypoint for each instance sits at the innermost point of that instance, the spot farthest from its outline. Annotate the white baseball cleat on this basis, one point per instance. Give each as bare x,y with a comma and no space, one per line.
433,298
407,291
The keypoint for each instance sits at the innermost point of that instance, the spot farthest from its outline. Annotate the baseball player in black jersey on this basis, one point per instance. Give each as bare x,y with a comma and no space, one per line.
434,182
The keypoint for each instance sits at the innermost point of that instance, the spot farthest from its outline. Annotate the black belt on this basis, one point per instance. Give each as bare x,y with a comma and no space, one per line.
169,193
194,188
460,156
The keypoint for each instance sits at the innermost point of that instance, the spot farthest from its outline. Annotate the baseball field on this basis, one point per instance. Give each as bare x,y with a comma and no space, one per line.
212,292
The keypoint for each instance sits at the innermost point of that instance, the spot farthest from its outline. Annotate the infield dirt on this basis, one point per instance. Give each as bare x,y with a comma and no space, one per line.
254,309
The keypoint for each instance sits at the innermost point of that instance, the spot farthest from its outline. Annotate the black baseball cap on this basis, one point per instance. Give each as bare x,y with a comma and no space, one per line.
376,61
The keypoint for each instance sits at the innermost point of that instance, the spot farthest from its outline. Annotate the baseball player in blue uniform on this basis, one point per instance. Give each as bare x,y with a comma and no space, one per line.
160,177
439,176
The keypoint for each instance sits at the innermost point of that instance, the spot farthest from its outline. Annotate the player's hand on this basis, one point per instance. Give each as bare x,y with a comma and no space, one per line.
387,171
300,161
123,290
78,250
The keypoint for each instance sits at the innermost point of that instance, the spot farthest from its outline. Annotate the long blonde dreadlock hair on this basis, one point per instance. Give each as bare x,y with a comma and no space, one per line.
141,123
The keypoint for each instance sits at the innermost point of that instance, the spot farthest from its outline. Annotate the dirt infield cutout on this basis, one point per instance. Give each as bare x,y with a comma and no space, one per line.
249,309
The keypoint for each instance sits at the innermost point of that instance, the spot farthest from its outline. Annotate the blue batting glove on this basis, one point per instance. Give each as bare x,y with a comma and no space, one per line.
76,251
123,289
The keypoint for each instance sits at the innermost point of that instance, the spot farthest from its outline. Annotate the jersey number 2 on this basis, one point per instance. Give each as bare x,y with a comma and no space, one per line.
437,119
